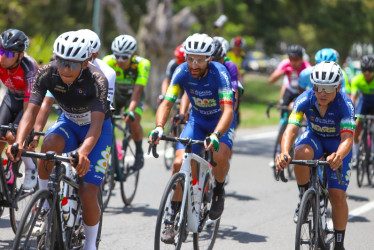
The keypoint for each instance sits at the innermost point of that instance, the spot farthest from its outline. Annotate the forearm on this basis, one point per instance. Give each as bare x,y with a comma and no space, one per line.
27,122
345,145
288,138
164,86
275,76
226,119
163,112
185,103
42,118
135,97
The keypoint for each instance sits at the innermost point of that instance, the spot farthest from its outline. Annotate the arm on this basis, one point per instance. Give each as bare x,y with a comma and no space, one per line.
288,139
276,75
135,97
345,146
225,121
24,128
185,103
162,116
164,85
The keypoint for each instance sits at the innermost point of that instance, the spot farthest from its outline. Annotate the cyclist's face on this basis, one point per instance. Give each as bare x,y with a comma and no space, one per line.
295,62
197,65
69,70
9,58
368,76
123,61
324,98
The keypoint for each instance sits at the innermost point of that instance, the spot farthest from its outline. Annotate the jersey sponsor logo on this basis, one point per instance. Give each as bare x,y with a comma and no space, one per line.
209,112
226,77
201,93
299,102
192,83
204,102
81,91
60,89
323,129
312,118
102,163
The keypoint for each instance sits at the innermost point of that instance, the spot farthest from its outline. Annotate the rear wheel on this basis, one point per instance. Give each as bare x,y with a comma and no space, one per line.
305,236
169,216
107,184
208,229
361,157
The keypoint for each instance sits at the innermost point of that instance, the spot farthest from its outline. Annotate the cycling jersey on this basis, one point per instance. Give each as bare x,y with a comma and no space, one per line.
238,60
339,116
19,80
86,94
170,68
206,93
292,74
233,71
366,102
109,73
304,80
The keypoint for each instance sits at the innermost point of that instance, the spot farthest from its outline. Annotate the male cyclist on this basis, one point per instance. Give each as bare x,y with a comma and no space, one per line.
237,54
172,65
365,84
132,76
81,91
17,72
208,87
330,116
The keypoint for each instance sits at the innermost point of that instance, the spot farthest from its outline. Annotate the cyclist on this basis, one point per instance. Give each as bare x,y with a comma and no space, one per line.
364,83
81,91
330,116
49,99
132,75
325,54
208,87
237,54
172,65
17,72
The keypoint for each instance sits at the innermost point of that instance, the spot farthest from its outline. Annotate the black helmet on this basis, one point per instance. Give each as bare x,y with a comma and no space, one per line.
219,52
13,39
295,51
367,63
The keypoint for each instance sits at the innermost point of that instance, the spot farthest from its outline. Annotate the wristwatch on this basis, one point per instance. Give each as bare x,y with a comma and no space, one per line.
218,134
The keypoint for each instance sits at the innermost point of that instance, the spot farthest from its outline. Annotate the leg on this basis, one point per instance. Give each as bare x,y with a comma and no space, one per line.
339,215
137,136
303,152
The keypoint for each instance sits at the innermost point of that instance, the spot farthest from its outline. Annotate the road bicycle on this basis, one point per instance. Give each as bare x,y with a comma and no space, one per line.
364,159
46,228
314,228
121,164
195,196
170,147
12,194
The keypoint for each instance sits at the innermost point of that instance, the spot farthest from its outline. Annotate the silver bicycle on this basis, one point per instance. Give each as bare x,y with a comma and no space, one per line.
186,202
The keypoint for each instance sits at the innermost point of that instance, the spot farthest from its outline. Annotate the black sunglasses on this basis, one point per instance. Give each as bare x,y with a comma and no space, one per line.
122,57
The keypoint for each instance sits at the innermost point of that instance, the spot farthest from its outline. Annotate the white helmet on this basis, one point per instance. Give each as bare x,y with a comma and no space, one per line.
72,46
93,37
326,72
124,44
199,44
224,42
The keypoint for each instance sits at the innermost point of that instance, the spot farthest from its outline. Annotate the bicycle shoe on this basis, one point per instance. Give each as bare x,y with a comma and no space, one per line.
296,214
218,204
31,179
139,161
168,234
41,223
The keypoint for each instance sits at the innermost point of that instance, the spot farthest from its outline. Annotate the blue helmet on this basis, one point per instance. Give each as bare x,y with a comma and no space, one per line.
326,54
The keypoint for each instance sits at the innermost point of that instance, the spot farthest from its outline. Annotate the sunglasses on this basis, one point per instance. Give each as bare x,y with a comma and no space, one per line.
8,54
62,63
191,60
328,88
123,57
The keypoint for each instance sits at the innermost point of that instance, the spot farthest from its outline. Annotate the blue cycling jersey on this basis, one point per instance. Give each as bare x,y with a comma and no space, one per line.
304,80
206,94
339,116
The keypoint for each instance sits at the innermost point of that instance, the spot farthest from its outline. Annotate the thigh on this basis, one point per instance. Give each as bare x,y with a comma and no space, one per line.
310,139
194,131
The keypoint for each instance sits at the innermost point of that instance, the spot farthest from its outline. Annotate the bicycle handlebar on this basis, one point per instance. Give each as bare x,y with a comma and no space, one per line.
49,156
310,163
364,117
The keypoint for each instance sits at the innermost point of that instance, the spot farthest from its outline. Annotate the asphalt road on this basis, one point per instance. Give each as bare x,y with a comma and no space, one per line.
258,210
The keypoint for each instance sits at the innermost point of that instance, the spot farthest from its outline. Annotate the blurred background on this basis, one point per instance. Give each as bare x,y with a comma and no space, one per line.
267,26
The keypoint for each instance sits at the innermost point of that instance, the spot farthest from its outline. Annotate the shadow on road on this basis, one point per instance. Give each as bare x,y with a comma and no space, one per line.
358,219
229,232
357,198
239,197
143,209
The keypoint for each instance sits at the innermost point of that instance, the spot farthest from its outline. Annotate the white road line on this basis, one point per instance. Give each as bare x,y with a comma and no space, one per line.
361,210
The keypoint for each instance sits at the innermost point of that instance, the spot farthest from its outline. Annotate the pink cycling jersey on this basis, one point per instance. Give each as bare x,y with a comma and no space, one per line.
291,73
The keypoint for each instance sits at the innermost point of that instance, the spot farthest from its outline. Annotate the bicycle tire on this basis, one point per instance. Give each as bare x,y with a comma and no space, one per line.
325,234
130,177
370,166
164,215
275,150
24,238
305,224
24,197
205,239
107,184
101,206
361,157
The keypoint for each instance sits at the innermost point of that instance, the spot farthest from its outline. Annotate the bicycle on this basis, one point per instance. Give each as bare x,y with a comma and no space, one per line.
314,225
364,164
119,167
55,234
12,194
196,197
170,147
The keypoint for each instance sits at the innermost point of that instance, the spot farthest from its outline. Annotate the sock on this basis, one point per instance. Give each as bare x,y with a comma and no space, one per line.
302,189
138,146
29,164
219,186
339,239
43,184
91,235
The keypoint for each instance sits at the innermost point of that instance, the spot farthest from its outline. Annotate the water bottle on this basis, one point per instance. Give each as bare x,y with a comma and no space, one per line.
196,195
9,176
69,210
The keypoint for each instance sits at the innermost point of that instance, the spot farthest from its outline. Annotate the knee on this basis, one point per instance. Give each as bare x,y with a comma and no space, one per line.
88,196
304,152
177,164
337,198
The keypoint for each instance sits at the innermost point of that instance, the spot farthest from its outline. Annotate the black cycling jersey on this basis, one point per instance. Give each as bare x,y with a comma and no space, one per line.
172,65
86,94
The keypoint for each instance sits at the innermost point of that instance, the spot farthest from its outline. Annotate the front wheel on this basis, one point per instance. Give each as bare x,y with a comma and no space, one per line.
208,229
361,158
169,233
305,229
